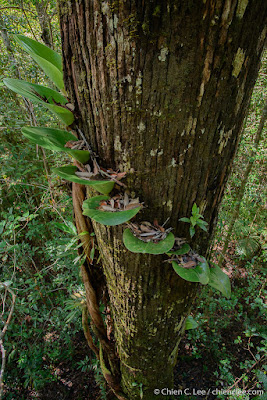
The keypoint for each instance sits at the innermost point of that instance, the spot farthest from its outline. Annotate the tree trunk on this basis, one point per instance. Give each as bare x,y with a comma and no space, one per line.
160,90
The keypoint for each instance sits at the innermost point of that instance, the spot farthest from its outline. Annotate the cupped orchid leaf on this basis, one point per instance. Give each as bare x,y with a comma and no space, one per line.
110,218
55,139
220,281
49,60
51,99
190,323
183,250
136,245
68,172
200,273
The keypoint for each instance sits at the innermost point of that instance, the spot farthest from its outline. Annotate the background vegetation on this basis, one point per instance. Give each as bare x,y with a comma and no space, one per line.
47,355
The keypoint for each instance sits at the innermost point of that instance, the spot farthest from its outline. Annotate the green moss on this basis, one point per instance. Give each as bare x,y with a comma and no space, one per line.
156,12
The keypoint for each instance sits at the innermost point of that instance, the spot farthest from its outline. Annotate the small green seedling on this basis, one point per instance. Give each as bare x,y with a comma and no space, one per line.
195,219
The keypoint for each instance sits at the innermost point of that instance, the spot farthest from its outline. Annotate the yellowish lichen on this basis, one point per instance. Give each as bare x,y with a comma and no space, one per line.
238,62
241,8
117,144
169,205
164,51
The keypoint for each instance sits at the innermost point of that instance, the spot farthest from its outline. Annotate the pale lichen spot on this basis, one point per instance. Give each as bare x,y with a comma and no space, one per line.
110,24
164,51
238,62
105,7
173,163
141,127
191,126
155,152
241,8
138,83
201,93
115,22
169,205
223,140
117,144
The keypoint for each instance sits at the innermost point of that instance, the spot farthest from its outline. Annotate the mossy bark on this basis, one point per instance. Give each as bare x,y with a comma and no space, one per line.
160,90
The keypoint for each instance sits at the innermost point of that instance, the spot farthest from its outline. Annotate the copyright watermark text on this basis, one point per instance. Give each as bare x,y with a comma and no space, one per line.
203,392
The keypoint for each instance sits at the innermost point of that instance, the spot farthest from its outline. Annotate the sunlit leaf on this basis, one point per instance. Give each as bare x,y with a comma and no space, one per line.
220,281
184,219
68,172
49,60
67,227
190,323
51,99
106,217
55,139
136,245
200,273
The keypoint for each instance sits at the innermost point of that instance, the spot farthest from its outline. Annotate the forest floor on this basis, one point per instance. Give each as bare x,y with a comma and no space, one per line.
195,370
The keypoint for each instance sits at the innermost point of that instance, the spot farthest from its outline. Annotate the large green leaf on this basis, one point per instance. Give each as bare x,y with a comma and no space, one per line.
53,100
136,245
183,250
49,60
106,217
55,139
190,323
68,173
200,273
220,281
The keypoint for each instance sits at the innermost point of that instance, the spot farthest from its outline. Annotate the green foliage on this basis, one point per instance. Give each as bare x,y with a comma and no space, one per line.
68,172
200,273
136,245
196,219
51,99
183,250
190,323
49,60
231,345
55,139
105,217
220,281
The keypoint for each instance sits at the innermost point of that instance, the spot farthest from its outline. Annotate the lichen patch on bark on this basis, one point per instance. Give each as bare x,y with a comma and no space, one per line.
238,62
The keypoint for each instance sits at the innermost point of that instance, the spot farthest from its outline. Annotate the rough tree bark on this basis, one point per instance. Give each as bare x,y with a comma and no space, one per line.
160,90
